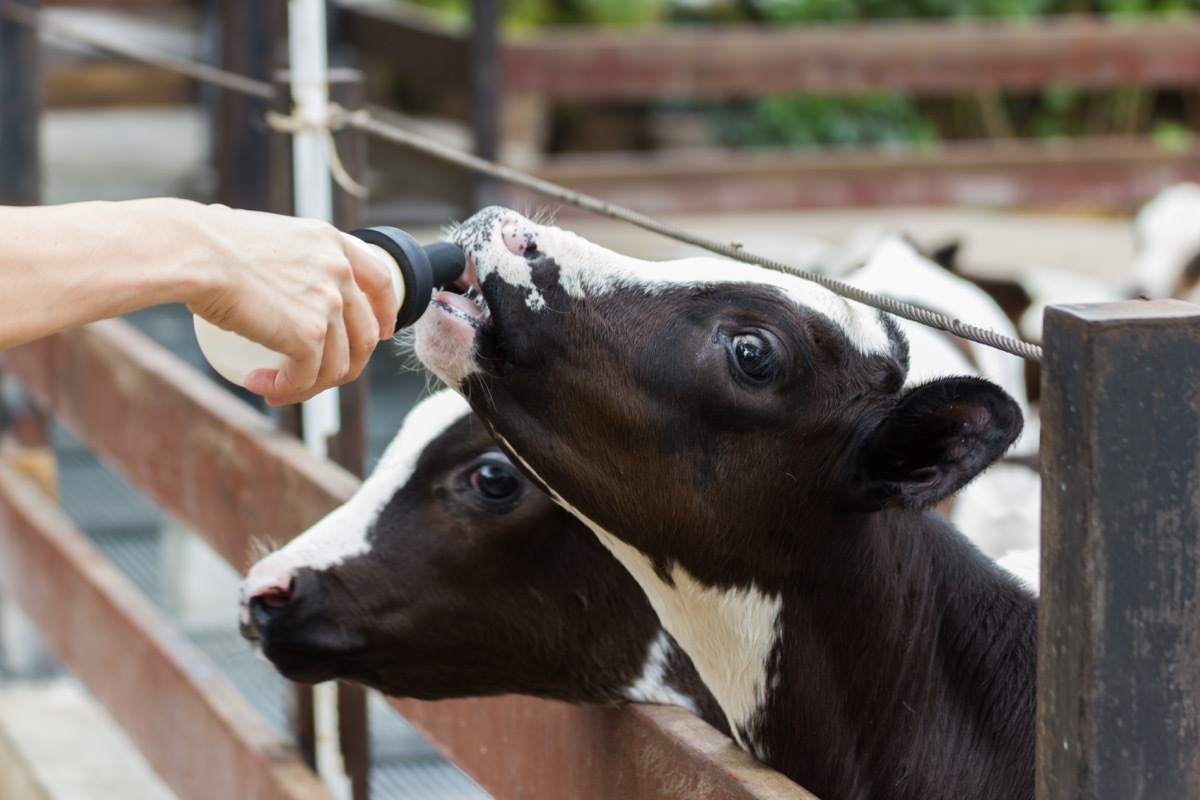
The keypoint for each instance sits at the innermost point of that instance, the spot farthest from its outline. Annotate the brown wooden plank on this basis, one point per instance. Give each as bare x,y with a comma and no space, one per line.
924,57
191,725
199,453
1119,619
111,84
730,61
543,750
125,5
1103,174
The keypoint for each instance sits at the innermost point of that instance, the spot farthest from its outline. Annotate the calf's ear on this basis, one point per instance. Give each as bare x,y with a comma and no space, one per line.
938,437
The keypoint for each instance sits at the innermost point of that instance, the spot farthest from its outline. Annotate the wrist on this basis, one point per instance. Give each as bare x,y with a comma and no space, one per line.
191,263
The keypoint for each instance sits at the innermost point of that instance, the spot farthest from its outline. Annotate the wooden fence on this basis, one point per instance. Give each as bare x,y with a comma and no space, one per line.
978,59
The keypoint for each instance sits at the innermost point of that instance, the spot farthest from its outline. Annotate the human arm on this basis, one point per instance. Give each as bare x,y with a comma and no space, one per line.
320,297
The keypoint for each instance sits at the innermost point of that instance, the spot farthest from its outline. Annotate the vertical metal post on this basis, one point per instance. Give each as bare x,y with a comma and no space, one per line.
1119,624
20,107
485,92
251,34
279,197
348,447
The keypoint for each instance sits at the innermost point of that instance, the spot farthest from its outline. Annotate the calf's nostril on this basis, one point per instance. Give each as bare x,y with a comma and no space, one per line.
514,238
275,596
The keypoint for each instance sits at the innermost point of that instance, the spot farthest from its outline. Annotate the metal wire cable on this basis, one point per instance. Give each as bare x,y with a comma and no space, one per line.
363,120
430,147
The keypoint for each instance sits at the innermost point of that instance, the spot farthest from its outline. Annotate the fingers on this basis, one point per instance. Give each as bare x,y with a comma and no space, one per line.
339,356
376,275
362,330
320,297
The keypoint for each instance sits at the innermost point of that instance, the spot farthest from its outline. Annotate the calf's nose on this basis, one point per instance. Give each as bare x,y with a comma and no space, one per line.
261,595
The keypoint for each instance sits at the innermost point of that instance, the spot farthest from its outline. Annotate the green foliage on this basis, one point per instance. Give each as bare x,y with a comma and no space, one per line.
527,15
876,119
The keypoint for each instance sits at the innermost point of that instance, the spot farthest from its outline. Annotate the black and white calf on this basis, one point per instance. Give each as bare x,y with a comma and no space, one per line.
449,575
743,443
1167,242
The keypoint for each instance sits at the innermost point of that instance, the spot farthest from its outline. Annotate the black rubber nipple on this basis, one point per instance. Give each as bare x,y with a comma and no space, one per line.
422,268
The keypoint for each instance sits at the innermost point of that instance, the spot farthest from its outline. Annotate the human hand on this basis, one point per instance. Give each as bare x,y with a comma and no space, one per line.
300,287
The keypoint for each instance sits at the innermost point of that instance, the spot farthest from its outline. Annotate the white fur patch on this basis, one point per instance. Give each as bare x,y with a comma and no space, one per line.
342,533
651,686
729,633
588,269
1168,236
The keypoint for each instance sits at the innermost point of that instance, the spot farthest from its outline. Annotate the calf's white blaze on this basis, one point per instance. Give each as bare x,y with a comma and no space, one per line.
588,269
342,533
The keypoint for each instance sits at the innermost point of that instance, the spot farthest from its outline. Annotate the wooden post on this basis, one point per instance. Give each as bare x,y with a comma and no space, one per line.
485,92
20,108
1119,624
250,37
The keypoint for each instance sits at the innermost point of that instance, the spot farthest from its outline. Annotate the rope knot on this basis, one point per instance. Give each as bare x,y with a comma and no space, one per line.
336,118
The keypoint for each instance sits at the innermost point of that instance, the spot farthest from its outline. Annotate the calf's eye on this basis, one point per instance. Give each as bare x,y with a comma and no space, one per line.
496,484
754,357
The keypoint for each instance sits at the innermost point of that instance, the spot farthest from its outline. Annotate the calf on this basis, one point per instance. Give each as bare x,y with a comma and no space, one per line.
449,575
1167,241
743,443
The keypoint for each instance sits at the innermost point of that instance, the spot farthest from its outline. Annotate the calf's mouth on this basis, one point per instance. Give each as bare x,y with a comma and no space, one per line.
464,299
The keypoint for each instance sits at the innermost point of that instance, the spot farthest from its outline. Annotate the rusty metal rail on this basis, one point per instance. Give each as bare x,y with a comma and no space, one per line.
231,476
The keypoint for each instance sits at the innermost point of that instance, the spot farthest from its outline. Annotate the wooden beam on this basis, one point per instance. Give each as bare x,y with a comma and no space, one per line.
190,723
740,61
544,750
203,456
921,57
1104,174
103,84
1119,618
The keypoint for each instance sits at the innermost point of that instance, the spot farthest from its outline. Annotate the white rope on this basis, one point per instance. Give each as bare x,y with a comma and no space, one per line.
336,118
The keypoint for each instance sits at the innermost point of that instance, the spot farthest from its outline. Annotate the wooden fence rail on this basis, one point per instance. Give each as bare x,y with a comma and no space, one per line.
193,728
745,62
